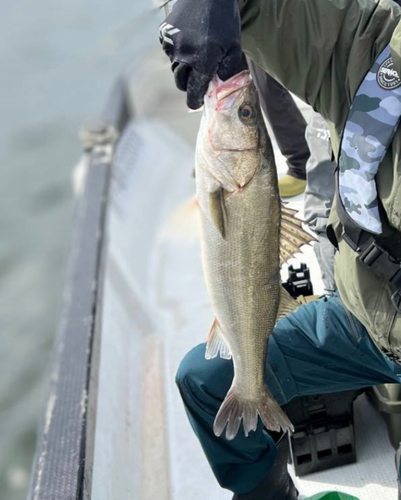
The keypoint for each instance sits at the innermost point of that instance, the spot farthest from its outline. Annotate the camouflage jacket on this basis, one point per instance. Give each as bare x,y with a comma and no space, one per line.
321,50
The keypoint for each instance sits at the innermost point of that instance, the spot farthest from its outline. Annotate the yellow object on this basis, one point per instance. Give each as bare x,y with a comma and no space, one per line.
291,186
302,299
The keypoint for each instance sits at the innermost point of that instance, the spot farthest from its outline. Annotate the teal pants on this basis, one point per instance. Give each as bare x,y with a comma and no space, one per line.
321,348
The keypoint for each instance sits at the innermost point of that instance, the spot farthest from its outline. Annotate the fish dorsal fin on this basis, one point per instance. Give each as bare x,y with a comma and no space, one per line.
216,343
287,304
292,235
218,211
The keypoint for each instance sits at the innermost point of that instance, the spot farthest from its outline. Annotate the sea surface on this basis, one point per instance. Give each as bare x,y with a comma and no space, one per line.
58,61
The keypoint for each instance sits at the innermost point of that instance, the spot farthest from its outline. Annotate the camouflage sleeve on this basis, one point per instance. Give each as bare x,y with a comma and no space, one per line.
319,49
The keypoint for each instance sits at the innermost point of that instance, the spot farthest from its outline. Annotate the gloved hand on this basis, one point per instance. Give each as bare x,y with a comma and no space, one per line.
202,38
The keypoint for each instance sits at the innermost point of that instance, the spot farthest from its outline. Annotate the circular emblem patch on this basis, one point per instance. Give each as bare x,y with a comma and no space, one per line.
387,76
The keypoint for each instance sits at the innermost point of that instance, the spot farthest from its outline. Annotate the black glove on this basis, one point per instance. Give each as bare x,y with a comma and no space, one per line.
202,38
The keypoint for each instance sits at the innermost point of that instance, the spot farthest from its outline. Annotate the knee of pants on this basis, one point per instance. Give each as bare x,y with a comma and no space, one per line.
204,379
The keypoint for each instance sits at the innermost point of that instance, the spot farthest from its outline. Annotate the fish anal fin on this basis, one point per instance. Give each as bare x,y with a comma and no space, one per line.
216,344
218,211
287,304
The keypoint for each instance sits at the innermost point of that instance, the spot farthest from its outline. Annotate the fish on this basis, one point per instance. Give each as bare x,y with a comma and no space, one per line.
246,235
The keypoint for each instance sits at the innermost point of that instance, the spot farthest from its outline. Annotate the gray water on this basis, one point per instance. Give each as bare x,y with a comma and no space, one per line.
58,62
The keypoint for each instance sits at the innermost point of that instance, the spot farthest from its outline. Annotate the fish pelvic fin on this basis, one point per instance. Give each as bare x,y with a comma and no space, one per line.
287,304
292,234
183,225
216,344
235,410
218,211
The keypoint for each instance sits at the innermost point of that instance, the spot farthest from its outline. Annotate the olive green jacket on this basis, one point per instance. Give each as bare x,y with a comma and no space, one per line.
321,50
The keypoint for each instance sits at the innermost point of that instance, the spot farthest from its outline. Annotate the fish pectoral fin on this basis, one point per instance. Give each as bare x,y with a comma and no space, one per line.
292,234
216,343
287,304
235,409
218,211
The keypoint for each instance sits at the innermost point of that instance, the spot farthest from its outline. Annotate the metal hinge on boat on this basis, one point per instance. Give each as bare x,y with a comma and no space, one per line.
99,138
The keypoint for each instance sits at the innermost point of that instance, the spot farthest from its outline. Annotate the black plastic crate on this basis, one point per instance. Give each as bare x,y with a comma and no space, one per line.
324,431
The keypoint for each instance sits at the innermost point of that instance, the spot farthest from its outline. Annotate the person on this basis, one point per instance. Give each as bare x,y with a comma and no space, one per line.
289,127
319,195
322,51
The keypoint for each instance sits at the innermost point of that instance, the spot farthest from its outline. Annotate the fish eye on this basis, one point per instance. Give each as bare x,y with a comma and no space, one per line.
246,113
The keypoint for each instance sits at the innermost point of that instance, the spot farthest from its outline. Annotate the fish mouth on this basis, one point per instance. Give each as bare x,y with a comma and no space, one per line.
231,86
224,93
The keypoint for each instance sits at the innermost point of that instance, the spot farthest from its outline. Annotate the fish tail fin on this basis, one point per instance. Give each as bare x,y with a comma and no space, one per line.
236,409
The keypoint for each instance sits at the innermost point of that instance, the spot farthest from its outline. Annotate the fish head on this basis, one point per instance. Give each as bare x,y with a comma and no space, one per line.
233,129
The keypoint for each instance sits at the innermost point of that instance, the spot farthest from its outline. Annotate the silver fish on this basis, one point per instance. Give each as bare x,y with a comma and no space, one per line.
243,228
